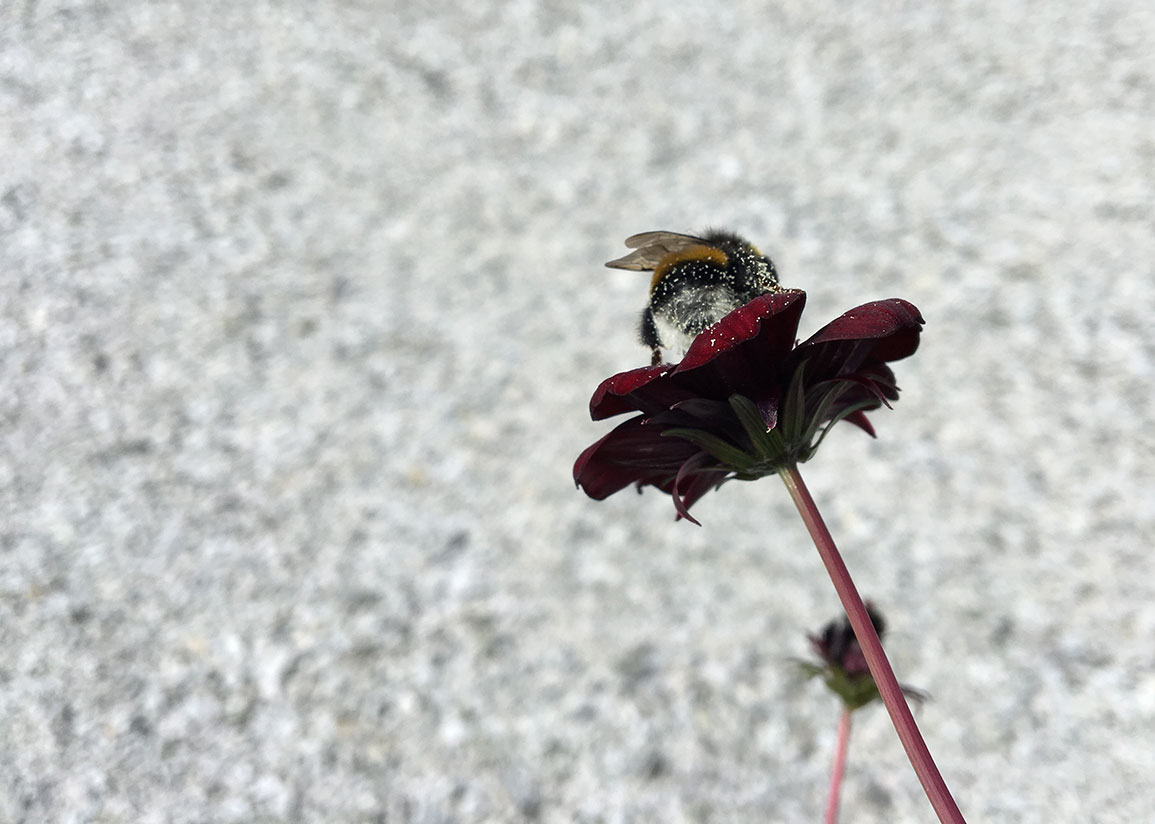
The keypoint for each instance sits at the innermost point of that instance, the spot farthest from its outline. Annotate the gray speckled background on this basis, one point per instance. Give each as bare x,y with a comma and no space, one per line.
302,305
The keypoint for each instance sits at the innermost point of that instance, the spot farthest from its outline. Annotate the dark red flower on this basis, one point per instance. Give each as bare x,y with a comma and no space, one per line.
843,667
746,402
838,648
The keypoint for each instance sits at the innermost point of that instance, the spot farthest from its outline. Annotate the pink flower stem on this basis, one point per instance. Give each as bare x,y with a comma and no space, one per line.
916,750
839,768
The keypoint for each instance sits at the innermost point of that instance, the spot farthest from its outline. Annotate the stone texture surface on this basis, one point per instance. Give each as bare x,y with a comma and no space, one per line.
302,304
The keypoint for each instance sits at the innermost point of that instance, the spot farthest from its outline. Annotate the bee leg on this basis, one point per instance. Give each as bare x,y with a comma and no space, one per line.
649,336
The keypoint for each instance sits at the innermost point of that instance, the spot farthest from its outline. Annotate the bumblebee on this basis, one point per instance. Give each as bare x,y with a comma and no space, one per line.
697,281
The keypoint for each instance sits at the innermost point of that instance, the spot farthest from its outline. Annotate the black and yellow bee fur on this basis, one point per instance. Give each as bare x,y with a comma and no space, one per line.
697,281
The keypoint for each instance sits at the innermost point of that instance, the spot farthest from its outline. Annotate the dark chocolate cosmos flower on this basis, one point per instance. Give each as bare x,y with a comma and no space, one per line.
843,667
746,402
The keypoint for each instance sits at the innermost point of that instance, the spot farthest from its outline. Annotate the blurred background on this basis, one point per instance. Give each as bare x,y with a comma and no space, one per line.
302,308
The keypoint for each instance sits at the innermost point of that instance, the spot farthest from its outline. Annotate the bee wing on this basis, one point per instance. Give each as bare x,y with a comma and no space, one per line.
650,247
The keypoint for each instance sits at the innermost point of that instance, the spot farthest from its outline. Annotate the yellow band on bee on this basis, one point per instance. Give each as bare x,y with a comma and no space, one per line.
711,254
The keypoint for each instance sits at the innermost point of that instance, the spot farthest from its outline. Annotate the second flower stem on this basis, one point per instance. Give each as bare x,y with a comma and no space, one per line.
839,768
908,733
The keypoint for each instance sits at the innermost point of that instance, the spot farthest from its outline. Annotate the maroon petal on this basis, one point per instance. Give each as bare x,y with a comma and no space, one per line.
885,330
743,352
647,389
873,384
633,452
860,420
716,417
858,387
695,478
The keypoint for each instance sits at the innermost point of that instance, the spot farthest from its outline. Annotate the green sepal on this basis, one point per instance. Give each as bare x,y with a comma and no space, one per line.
767,443
850,410
792,414
855,692
719,448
